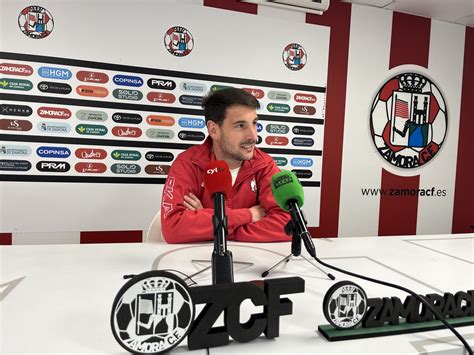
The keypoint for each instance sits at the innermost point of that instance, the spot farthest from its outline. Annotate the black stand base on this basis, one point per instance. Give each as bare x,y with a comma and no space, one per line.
288,258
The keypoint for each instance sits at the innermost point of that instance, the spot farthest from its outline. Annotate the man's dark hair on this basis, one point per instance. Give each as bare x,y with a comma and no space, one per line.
215,104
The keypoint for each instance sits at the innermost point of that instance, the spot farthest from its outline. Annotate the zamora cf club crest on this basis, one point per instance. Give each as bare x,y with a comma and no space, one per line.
408,120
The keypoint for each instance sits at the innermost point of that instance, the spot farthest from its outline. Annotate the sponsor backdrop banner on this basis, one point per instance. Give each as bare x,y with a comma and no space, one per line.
113,106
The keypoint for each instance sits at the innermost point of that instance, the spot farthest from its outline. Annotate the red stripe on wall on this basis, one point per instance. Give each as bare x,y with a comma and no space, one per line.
409,45
111,237
338,18
233,5
463,212
5,239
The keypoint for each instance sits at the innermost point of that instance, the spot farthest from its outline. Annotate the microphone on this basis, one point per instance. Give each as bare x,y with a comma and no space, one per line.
218,182
288,193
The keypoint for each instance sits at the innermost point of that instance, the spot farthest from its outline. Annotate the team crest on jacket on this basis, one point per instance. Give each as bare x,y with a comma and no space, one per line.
408,120
152,313
179,41
35,22
253,185
294,56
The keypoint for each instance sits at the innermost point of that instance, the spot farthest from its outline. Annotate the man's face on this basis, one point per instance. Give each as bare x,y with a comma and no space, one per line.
234,140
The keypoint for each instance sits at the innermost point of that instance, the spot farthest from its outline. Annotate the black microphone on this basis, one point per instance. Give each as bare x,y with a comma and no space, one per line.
218,182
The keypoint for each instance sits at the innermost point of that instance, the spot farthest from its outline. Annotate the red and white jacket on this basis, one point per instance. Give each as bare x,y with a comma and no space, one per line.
252,187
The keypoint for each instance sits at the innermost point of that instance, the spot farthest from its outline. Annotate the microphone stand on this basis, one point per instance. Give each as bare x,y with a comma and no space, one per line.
296,232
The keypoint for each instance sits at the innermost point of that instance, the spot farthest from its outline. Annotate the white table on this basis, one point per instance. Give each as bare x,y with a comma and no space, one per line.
56,299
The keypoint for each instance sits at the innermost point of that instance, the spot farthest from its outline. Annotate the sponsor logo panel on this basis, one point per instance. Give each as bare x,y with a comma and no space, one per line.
277,128
280,161
161,84
276,140
54,88
15,84
92,77
259,140
120,168
124,131
91,130
188,122
303,174
156,133
304,110
191,136
279,95
127,80
54,112
153,169
259,127
53,166
215,88
55,73
257,93
304,162
191,100
303,130
159,156
91,153
16,69
92,91
278,108
89,115
90,168
157,120
125,94
15,125
15,110
163,97
305,98
14,150
302,142
190,86
14,165
126,155
54,127
127,118
53,152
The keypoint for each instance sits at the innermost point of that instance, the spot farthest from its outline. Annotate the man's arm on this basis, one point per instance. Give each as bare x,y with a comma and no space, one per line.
180,224
270,228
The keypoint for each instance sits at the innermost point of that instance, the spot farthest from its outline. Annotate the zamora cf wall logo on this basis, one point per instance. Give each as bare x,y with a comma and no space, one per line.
179,41
408,120
35,22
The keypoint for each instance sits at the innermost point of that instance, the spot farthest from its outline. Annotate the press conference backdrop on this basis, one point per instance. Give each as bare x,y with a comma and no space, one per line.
117,103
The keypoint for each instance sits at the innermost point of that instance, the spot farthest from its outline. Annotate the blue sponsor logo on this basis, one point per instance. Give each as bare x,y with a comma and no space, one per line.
53,152
187,122
128,80
306,162
259,127
55,73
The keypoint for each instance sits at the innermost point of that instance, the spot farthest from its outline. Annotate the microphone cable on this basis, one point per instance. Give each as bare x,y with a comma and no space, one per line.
438,315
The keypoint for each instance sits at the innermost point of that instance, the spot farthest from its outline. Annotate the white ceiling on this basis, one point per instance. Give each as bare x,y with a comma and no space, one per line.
456,11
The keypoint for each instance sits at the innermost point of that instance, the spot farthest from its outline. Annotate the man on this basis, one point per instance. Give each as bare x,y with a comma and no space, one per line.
252,213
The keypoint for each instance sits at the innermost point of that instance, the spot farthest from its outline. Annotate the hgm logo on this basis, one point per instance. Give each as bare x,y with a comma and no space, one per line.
304,162
53,152
191,122
55,73
53,166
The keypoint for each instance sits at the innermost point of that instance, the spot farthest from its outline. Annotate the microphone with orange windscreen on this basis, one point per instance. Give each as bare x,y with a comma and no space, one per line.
218,183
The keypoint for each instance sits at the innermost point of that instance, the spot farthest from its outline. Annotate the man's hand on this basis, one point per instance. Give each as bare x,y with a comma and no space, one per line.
257,212
192,203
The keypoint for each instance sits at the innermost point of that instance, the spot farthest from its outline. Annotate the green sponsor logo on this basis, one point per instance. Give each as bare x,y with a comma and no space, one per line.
126,155
279,95
156,133
280,108
120,168
16,84
282,180
88,115
91,130
277,128
215,88
280,161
